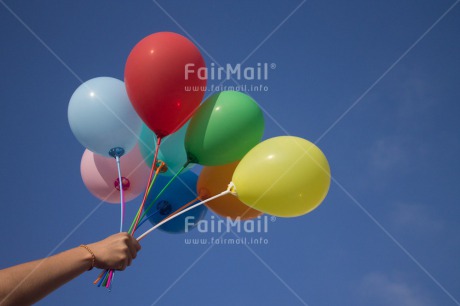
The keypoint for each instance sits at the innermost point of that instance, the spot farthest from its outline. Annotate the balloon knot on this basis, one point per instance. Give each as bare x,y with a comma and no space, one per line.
231,187
162,165
191,159
124,183
203,194
164,207
114,152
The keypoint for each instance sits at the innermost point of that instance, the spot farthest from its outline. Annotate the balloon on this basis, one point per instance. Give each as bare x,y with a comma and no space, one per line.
224,128
101,116
180,192
214,180
165,81
284,176
172,150
100,175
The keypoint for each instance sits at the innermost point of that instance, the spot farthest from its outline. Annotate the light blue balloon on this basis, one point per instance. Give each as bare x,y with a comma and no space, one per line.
172,149
101,116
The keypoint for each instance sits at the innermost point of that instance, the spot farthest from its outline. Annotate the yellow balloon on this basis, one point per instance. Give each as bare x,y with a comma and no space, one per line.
283,176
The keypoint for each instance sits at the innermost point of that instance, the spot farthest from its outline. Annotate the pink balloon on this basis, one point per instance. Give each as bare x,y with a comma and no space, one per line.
100,175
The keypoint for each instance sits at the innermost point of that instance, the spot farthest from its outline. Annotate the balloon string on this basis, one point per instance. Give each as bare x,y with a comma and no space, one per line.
156,173
157,211
99,277
152,169
109,273
228,191
122,202
138,218
109,280
146,211
147,188
183,207
106,278
139,210
148,217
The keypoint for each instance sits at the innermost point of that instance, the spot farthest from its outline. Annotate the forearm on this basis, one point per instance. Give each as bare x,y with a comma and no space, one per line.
27,283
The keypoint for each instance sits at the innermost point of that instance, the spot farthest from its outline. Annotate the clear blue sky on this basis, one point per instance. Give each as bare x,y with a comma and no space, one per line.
374,83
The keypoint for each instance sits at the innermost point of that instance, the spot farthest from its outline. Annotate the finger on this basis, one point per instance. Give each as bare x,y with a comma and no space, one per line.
126,262
137,245
131,250
121,267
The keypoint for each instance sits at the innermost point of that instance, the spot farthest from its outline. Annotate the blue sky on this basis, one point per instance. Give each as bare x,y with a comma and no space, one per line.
375,84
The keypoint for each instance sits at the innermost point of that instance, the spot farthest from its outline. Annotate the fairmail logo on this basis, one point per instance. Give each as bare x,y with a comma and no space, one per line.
258,72
214,225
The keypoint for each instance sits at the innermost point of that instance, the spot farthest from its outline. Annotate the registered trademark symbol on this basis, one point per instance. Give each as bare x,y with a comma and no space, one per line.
272,218
272,65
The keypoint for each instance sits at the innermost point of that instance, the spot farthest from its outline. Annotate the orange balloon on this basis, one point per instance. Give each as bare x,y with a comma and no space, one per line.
214,180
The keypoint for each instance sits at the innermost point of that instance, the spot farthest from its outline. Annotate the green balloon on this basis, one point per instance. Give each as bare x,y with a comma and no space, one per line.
223,129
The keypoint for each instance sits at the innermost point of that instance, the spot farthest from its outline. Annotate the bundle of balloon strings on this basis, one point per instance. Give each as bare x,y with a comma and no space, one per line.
117,153
106,277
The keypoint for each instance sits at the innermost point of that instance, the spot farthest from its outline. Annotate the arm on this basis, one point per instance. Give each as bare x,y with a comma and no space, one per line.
27,283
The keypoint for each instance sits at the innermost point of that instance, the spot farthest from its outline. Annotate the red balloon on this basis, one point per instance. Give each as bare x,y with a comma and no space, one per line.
165,77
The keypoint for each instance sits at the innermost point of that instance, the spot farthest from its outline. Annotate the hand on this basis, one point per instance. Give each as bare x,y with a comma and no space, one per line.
115,252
